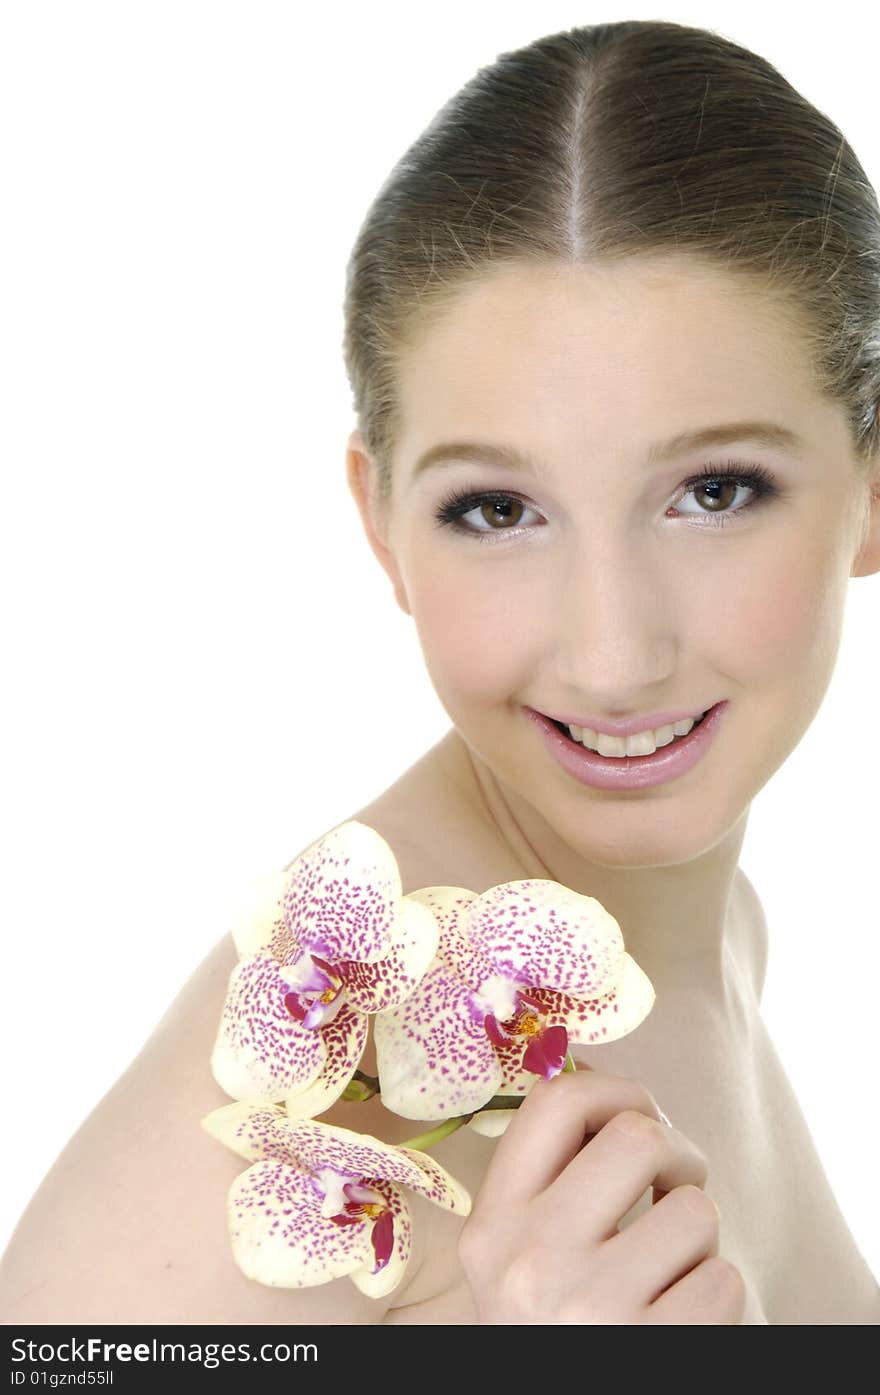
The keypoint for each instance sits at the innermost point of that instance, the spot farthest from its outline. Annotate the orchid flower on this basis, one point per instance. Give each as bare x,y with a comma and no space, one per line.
320,1202
321,946
522,972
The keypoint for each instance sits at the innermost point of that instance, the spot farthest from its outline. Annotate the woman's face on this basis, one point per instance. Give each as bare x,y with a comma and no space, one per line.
606,581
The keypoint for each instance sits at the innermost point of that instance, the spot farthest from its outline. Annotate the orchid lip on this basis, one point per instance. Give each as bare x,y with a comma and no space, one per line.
630,727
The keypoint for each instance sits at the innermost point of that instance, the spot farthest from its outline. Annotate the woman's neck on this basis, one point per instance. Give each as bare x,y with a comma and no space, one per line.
676,919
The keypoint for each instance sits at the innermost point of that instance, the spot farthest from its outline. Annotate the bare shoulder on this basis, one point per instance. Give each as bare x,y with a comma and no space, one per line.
130,1223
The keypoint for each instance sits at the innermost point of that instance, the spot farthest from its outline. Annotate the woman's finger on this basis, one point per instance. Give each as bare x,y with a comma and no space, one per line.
666,1241
551,1127
630,1152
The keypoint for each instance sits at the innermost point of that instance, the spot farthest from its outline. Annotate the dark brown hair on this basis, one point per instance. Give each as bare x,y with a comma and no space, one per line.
610,141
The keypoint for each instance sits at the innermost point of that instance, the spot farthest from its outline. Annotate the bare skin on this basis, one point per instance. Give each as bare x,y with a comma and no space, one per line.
597,604
128,1225
710,1066
561,561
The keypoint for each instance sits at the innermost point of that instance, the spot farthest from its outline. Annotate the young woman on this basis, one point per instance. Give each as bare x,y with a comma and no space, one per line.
611,326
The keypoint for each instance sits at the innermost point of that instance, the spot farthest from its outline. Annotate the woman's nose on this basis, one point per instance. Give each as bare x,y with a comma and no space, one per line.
618,632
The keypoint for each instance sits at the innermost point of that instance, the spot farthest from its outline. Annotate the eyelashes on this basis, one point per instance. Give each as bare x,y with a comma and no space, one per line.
458,503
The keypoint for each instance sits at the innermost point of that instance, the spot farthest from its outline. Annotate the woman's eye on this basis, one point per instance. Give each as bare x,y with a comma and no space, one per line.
501,511
485,513
718,495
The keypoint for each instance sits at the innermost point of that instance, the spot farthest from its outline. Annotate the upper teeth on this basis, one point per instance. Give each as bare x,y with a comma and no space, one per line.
641,743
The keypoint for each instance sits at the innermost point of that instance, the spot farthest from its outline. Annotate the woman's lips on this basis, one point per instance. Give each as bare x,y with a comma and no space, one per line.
630,772
561,723
650,722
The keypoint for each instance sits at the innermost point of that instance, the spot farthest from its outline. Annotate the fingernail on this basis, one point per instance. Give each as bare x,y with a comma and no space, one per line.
667,1122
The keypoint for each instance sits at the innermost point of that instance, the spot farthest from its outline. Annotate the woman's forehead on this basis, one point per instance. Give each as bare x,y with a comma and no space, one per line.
516,304
538,353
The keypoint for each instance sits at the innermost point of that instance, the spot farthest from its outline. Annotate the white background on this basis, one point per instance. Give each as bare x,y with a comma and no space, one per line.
204,665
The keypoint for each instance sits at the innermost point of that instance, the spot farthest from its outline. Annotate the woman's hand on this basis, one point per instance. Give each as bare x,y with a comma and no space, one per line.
542,1244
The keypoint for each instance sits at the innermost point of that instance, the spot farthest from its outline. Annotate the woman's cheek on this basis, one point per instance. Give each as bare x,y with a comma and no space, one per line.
785,623
474,630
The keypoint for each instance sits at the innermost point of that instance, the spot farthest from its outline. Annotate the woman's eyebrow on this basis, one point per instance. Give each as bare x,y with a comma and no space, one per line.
762,433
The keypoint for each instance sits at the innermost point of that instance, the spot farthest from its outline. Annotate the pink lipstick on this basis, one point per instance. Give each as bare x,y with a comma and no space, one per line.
630,772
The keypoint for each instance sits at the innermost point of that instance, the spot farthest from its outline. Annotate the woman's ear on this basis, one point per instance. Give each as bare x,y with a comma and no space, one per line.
363,481
867,559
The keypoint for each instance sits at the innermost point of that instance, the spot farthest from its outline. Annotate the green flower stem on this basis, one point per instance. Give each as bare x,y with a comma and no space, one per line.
371,1081
360,1088
424,1140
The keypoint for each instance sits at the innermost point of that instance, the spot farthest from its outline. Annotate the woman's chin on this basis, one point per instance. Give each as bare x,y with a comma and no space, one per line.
636,832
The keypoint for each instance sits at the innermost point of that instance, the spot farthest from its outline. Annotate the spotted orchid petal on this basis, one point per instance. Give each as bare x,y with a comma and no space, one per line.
517,1079
616,1013
230,1125
391,1246
433,1056
447,905
344,1040
452,908
538,932
608,1018
261,1051
342,898
256,912
320,1202
489,1018
492,1123
279,1236
321,944
266,1131
382,984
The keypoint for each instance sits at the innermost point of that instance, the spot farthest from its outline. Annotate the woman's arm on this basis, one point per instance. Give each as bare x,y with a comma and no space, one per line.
129,1226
